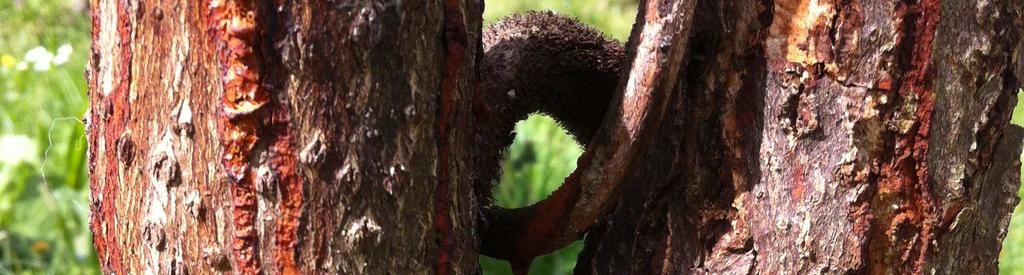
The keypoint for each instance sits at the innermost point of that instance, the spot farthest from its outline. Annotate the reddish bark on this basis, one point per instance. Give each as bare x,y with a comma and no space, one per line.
456,41
247,141
115,116
908,230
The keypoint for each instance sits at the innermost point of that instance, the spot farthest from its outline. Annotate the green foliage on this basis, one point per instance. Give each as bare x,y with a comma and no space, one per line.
613,17
43,193
540,158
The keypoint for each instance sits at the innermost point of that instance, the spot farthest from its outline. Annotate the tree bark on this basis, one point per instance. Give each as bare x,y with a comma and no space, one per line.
282,137
750,136
829,137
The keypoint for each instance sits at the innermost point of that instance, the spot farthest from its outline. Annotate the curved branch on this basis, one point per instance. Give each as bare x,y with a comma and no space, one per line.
540,62
658,45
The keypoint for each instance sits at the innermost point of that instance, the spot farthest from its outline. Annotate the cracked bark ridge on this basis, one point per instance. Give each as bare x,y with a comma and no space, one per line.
658,45
457,45
234,24
904,207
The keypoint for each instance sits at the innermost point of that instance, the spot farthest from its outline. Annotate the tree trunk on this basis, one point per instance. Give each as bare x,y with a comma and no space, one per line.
279,137
829,137
748,136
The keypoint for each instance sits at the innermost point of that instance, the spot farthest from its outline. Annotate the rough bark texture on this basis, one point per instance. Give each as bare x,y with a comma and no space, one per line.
829,137
771,137
254,136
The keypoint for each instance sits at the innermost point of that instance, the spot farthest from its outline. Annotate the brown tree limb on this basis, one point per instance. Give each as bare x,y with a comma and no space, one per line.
658,46
540,62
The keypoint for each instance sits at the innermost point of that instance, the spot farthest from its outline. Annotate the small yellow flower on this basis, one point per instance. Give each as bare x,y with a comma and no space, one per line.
8,61
40,246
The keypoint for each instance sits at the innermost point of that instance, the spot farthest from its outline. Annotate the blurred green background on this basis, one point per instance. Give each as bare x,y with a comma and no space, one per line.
43,190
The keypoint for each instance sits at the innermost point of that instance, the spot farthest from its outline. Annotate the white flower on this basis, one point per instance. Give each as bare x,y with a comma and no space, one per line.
64,49
40,58
41,65
63,53
15,149
60,59
37,54
21,66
